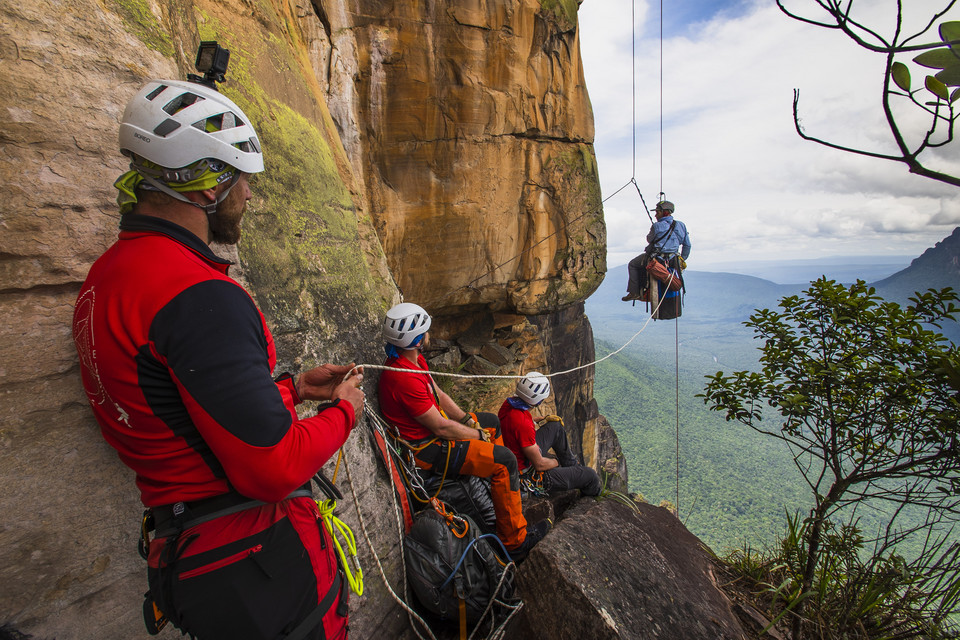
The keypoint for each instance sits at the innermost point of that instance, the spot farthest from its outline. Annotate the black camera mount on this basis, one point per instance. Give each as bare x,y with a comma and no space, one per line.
212,61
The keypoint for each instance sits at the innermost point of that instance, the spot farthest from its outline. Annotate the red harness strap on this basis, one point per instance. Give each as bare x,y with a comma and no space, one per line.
398,483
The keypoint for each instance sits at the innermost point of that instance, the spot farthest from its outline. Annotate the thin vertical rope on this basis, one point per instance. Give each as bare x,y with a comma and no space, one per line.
661,96
633,86
676,344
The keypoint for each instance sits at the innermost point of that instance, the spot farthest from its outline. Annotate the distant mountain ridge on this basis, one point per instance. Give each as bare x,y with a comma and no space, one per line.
937,267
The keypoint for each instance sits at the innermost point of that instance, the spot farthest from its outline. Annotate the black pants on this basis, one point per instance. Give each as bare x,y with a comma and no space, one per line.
256,588
570,474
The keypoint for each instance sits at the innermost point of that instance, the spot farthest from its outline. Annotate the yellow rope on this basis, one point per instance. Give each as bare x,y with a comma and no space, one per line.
336,468
339,529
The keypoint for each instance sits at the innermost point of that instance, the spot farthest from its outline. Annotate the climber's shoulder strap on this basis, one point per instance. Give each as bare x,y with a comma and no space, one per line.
652,247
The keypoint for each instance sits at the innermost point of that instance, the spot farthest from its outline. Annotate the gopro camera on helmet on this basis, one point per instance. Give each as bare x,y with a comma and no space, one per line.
212,61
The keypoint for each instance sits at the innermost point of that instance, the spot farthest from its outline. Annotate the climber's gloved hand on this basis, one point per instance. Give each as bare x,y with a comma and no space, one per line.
484,434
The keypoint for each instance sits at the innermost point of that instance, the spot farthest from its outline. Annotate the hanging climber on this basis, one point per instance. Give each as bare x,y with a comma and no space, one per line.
181,382
664,240
531,445
447,439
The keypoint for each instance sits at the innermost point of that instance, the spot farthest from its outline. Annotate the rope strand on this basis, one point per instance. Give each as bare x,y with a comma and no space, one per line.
380,367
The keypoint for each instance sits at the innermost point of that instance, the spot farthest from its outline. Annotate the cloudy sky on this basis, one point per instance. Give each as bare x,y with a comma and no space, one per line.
742,180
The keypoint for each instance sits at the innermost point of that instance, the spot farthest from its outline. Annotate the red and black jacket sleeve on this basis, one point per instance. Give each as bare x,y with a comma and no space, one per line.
212,342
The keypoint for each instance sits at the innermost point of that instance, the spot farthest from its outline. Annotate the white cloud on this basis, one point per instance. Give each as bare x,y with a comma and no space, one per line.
742,179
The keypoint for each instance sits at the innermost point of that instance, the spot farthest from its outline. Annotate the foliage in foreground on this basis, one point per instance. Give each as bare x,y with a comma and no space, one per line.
868,405
857,592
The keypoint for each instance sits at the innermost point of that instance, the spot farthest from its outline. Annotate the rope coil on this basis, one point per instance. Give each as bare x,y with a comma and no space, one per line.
338,529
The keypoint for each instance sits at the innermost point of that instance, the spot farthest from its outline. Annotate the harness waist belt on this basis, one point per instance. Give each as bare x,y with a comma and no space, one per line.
171,519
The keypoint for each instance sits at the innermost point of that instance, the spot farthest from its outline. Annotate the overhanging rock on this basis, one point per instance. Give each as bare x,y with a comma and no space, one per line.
608,572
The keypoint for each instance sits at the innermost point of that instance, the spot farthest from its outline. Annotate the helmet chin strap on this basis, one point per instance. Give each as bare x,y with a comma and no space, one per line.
209,209
151,177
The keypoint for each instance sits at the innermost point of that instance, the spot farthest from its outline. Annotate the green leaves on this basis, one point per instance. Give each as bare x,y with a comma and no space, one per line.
950,32
937,58
857,380
937,88
901,75
945,58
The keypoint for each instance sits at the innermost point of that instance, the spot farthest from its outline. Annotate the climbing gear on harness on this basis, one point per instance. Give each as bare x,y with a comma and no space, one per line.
338,529
533,388
154,619
531,482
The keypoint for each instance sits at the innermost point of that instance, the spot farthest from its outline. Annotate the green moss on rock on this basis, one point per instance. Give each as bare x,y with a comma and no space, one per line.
301,246
565,11
574,171
144,25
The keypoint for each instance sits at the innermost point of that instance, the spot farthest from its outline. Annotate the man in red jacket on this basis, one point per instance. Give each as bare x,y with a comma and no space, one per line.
177,362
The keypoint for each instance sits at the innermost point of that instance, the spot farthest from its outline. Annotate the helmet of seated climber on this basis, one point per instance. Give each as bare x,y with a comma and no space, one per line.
405,324
533,388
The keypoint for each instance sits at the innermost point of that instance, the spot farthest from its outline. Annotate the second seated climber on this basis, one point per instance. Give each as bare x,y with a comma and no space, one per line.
530,445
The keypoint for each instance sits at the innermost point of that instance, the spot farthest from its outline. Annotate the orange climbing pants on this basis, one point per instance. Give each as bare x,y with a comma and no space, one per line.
486,460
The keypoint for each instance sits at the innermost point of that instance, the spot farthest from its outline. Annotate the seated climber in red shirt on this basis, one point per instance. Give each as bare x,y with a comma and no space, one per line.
452,441
530,444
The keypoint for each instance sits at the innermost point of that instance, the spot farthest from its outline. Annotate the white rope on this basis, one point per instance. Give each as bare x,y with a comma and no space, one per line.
381,367
366,536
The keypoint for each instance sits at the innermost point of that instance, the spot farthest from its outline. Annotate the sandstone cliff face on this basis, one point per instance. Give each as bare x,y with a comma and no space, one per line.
473,141
470,126
427,143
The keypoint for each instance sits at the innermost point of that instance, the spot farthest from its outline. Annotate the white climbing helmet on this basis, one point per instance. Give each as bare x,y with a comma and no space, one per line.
533,388
174,124
404,324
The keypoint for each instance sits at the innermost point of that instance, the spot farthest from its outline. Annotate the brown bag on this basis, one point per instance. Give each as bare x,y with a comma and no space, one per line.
659,271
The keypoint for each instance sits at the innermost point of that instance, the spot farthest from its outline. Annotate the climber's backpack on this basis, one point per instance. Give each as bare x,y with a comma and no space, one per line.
453,569
467,495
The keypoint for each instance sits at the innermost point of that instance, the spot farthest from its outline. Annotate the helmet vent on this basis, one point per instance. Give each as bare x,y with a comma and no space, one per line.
182,101
166,127
153,94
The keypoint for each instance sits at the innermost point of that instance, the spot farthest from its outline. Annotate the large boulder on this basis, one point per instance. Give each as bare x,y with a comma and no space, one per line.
608,571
